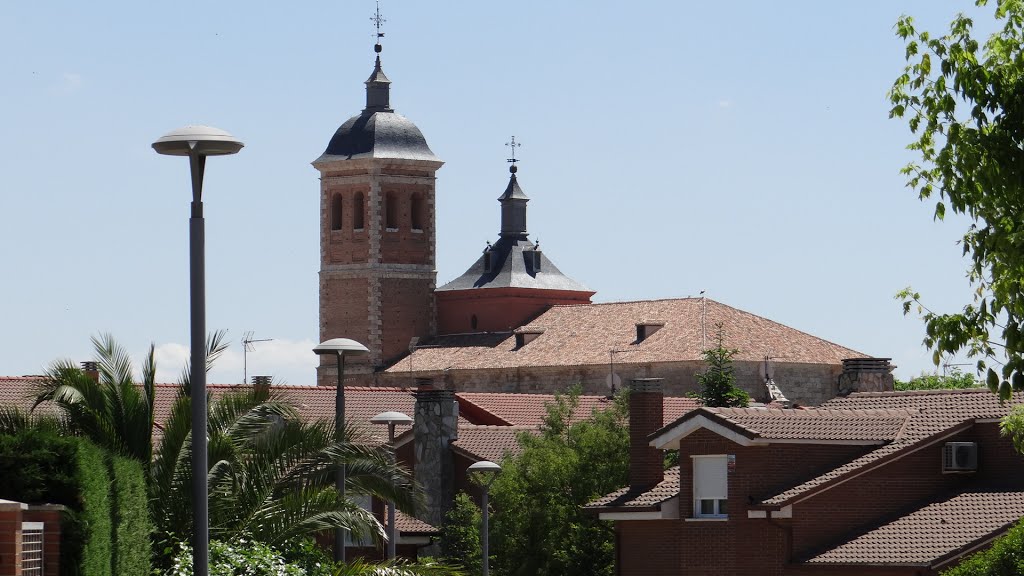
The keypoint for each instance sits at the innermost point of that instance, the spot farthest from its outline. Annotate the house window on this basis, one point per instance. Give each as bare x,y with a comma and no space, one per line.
365,502
358,209
710,486
417,212
391,211
336,212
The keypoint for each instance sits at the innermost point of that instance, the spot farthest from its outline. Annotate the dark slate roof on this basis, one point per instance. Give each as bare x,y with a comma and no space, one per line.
510,271
378,135
934,533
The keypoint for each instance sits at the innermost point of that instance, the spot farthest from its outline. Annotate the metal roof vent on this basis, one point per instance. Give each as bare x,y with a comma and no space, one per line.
646,328
526,335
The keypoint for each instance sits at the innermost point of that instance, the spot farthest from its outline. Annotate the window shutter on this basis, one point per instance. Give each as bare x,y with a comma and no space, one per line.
710,478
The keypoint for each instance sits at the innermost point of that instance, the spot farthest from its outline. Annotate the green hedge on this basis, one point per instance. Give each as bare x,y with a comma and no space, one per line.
131,519
106,527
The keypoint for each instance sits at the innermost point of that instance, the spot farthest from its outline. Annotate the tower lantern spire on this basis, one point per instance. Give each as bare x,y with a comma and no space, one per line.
378,87
513,201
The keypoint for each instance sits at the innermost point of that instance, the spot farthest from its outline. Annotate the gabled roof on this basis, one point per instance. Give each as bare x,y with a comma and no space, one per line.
938,415
933,534
764,425
409,525
580,335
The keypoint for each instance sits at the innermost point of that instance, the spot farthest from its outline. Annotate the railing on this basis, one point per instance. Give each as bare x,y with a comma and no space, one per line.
32,549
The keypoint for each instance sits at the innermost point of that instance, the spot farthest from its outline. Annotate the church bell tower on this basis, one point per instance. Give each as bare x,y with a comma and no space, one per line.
377,239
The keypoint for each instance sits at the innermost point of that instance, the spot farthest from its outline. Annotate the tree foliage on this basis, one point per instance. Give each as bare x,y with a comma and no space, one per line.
718,382
1004,558
539,526
964,102
460,534
955,380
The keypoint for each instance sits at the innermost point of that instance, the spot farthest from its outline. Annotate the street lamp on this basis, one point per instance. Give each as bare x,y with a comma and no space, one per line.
486,471
392,419
198,142
340,347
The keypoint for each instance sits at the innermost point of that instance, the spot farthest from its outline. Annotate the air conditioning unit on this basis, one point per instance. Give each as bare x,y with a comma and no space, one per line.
960,457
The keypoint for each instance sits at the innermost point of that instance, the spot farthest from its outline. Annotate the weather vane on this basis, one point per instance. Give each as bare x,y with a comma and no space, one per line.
513,145
378,20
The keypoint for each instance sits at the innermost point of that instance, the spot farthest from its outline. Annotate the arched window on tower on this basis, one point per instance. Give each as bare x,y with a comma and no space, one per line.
391,211
418,211
358,210
336,212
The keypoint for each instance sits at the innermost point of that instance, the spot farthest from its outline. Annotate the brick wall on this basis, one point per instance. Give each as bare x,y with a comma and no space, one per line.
10,538
646,408
405,312
50,515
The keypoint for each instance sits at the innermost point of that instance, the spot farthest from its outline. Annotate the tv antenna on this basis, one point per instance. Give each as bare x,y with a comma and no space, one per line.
247,346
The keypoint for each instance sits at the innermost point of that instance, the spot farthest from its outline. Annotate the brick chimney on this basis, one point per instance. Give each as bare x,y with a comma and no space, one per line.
646,414
866,375
92,370
435,427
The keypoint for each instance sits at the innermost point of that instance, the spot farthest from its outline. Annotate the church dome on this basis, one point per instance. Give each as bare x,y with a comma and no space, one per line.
378,134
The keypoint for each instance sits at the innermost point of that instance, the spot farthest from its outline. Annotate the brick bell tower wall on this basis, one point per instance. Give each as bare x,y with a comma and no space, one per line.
377,259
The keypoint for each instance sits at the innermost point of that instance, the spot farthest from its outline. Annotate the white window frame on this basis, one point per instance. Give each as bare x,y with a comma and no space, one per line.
717,496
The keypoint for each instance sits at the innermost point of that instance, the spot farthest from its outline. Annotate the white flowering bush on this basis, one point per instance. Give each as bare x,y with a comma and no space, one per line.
237,558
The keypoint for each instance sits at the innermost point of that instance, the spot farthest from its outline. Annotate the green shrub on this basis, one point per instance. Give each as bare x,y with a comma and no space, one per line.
94,483
1004,558
304,553
242,557
131,518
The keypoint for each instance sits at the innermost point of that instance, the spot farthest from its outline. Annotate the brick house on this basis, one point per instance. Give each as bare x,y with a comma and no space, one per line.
894,483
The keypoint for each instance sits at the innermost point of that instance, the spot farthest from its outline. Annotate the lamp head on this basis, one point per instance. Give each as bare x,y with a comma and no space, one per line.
485,468
341,346
391,417
202,140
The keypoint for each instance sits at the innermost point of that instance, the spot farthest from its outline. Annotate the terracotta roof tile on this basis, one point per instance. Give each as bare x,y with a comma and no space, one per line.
406,524
932,533
626,498
815,424
582,335
936,413
492,443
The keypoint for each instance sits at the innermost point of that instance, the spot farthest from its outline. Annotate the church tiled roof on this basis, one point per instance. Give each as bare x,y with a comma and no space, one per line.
578,335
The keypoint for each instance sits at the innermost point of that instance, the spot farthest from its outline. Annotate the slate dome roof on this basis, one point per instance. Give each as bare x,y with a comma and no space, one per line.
378,134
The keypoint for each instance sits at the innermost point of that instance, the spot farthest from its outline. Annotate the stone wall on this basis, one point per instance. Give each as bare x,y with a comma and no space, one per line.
436,426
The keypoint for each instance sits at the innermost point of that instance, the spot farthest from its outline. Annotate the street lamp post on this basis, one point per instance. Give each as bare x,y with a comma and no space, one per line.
198,142
392,419
340,347
487,471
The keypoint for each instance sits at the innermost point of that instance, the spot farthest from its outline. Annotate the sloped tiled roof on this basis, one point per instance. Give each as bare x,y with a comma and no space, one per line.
937,414
583,334
492,443
806,424
931,534
627,498
530,409
406,524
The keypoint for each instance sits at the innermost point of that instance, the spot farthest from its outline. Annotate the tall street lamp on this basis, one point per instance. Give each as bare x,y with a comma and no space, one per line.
486,471
340,347
198,142
392,419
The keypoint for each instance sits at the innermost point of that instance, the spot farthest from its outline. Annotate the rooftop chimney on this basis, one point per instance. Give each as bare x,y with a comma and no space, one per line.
261,383
92,370
646,415
435,427
866,375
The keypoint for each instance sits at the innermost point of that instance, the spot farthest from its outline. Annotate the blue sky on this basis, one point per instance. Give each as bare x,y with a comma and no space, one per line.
742,148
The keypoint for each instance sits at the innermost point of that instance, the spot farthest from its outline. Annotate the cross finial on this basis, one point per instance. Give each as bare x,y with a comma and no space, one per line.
513,145
378,21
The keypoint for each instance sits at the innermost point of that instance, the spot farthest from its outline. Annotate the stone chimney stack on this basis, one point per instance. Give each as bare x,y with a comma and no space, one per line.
92,370
435,427
646,415
866,375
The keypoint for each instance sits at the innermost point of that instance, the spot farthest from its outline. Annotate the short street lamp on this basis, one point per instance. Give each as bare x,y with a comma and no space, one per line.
392,419
198,142
486,471
340,347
